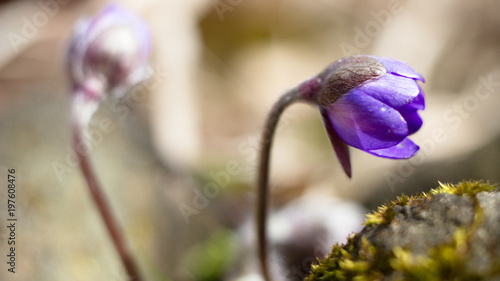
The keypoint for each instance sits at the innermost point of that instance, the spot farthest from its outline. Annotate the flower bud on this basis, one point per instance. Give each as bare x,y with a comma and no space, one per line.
108,53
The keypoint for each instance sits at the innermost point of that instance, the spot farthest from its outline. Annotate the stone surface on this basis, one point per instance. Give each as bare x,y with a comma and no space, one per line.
451,233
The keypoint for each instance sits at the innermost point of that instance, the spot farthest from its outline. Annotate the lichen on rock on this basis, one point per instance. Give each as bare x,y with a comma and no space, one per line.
450,233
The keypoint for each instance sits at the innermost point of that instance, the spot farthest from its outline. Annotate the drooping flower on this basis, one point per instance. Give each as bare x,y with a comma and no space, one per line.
108,53
370,103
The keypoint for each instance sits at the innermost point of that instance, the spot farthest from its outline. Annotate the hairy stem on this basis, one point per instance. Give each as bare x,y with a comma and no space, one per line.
99,197
263,181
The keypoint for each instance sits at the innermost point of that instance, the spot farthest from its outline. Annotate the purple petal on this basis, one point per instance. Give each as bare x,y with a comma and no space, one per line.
366,123
340,147
395,91
399,68
417,104
403,150
413,120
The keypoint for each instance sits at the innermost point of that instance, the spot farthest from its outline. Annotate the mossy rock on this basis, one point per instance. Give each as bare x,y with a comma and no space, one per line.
450,233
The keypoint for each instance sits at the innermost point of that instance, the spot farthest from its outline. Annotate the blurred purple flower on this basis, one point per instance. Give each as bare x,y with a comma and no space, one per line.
369,103
108,53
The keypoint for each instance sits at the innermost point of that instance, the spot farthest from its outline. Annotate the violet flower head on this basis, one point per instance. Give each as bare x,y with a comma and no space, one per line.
370,103
108,53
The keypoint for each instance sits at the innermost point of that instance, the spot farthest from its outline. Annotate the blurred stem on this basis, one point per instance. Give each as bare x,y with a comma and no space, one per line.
288,98
79,124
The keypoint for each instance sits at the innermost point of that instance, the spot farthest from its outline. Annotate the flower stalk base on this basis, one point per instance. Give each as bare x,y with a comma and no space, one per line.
263,181
101,202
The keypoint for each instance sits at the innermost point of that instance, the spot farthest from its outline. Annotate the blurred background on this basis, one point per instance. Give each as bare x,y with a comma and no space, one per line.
179,162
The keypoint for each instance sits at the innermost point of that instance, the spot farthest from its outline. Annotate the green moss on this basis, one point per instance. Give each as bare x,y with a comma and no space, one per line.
470,188
364,257
386,213
446,261
360,264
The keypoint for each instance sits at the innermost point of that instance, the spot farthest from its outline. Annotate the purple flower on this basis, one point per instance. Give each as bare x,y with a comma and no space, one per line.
108,53
370,103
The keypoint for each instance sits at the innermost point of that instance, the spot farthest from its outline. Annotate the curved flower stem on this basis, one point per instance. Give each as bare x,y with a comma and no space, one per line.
288,98
100,199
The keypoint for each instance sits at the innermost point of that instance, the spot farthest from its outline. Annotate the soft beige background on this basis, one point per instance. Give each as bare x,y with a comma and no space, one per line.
220,65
